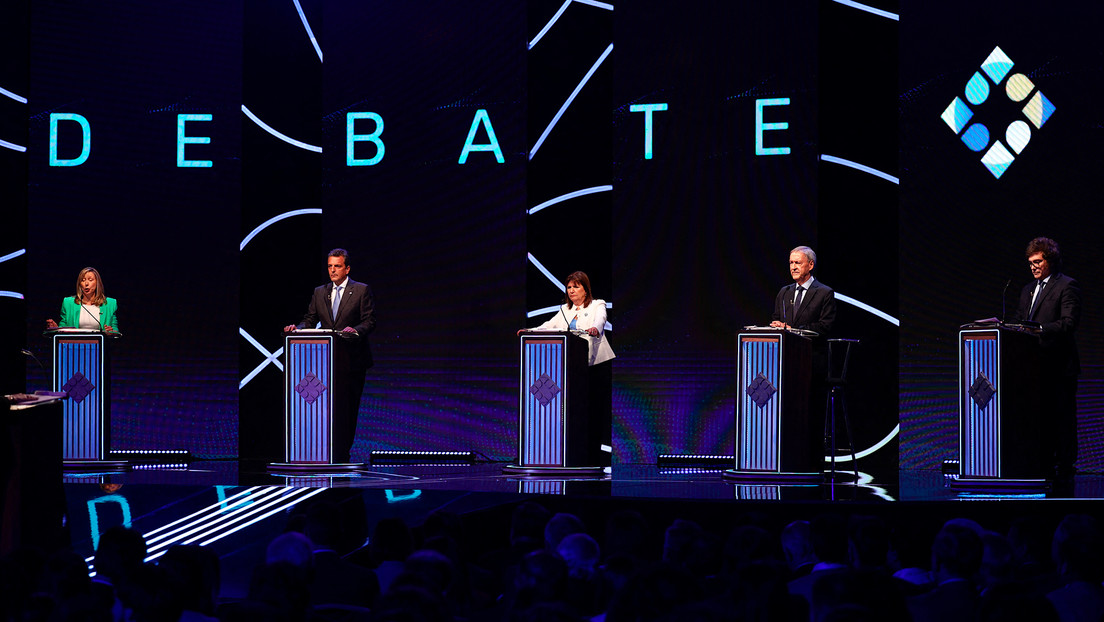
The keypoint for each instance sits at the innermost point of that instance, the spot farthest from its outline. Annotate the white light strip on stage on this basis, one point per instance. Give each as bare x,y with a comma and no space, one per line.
570,98
310,33
270,357
860,167
866,452
865,307
17,253
275,219
13,146
870,9
287,139
18,98
245,496
568,196
283,499
556,17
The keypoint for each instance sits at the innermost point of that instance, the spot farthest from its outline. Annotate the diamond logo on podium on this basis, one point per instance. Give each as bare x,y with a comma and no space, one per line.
78,387
310,388
761,390
544,389
982,391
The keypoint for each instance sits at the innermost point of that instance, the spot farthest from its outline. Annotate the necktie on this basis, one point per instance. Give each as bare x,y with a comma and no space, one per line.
1035,303
336,301
798,297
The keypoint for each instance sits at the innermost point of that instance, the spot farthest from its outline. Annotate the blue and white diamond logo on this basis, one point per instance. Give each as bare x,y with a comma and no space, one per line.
997,156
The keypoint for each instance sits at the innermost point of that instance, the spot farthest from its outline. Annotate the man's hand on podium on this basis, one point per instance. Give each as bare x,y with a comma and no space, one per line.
777,324
289,328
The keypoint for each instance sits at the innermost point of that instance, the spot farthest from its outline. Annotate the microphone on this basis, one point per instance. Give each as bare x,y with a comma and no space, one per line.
93,317
566,321
33,357
1004,300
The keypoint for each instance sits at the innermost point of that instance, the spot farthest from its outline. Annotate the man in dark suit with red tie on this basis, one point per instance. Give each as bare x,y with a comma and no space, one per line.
344,305
1053,300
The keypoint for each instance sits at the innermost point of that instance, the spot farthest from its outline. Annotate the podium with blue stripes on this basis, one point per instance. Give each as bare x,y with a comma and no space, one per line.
553,436
82,372
309,386
1001,408
774,425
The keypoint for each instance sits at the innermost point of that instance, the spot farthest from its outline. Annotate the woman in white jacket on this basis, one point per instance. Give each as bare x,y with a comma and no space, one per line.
581,311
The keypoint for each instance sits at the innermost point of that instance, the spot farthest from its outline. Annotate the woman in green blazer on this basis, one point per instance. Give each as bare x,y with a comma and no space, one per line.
89,308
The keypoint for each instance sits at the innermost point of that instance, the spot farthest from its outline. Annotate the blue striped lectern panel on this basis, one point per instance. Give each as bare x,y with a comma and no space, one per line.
980,405
309,404
759,403
542,435
78,370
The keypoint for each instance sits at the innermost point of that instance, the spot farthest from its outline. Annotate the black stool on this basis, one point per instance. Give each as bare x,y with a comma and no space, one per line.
839,356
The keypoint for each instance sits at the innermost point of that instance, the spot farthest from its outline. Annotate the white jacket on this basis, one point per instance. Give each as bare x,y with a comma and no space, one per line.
593,316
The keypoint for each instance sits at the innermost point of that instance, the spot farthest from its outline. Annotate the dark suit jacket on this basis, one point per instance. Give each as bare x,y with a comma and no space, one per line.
355,311
1059,312
816,313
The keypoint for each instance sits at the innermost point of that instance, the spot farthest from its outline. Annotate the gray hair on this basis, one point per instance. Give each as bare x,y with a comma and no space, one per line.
805,250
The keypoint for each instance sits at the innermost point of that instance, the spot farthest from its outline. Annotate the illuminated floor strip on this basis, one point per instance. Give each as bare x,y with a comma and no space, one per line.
287,139
18,98
266,515
276,219
208,518
12,146
870,9
258,511
214,507
310,33
569,196
571,98
865,307
860,167
224,518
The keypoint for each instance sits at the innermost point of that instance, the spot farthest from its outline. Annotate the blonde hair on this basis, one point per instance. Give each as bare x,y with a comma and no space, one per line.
98,297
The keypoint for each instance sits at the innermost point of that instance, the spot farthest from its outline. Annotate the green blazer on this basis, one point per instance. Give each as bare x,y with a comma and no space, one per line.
71,311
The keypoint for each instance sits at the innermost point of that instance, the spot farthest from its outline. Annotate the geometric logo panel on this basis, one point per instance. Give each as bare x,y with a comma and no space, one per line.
997,156
78,387
310,388
544,389
761,390
982,391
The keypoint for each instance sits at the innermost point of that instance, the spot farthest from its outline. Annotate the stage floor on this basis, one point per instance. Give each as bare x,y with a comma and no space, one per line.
625,480
238,508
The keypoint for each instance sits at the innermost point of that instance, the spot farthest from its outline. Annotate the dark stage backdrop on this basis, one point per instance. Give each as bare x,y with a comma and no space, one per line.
145,101
692,132
429,197
704,217
963,228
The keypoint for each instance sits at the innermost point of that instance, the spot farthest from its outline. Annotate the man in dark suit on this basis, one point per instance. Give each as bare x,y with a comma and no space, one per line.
1053,300
808,304
344,305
